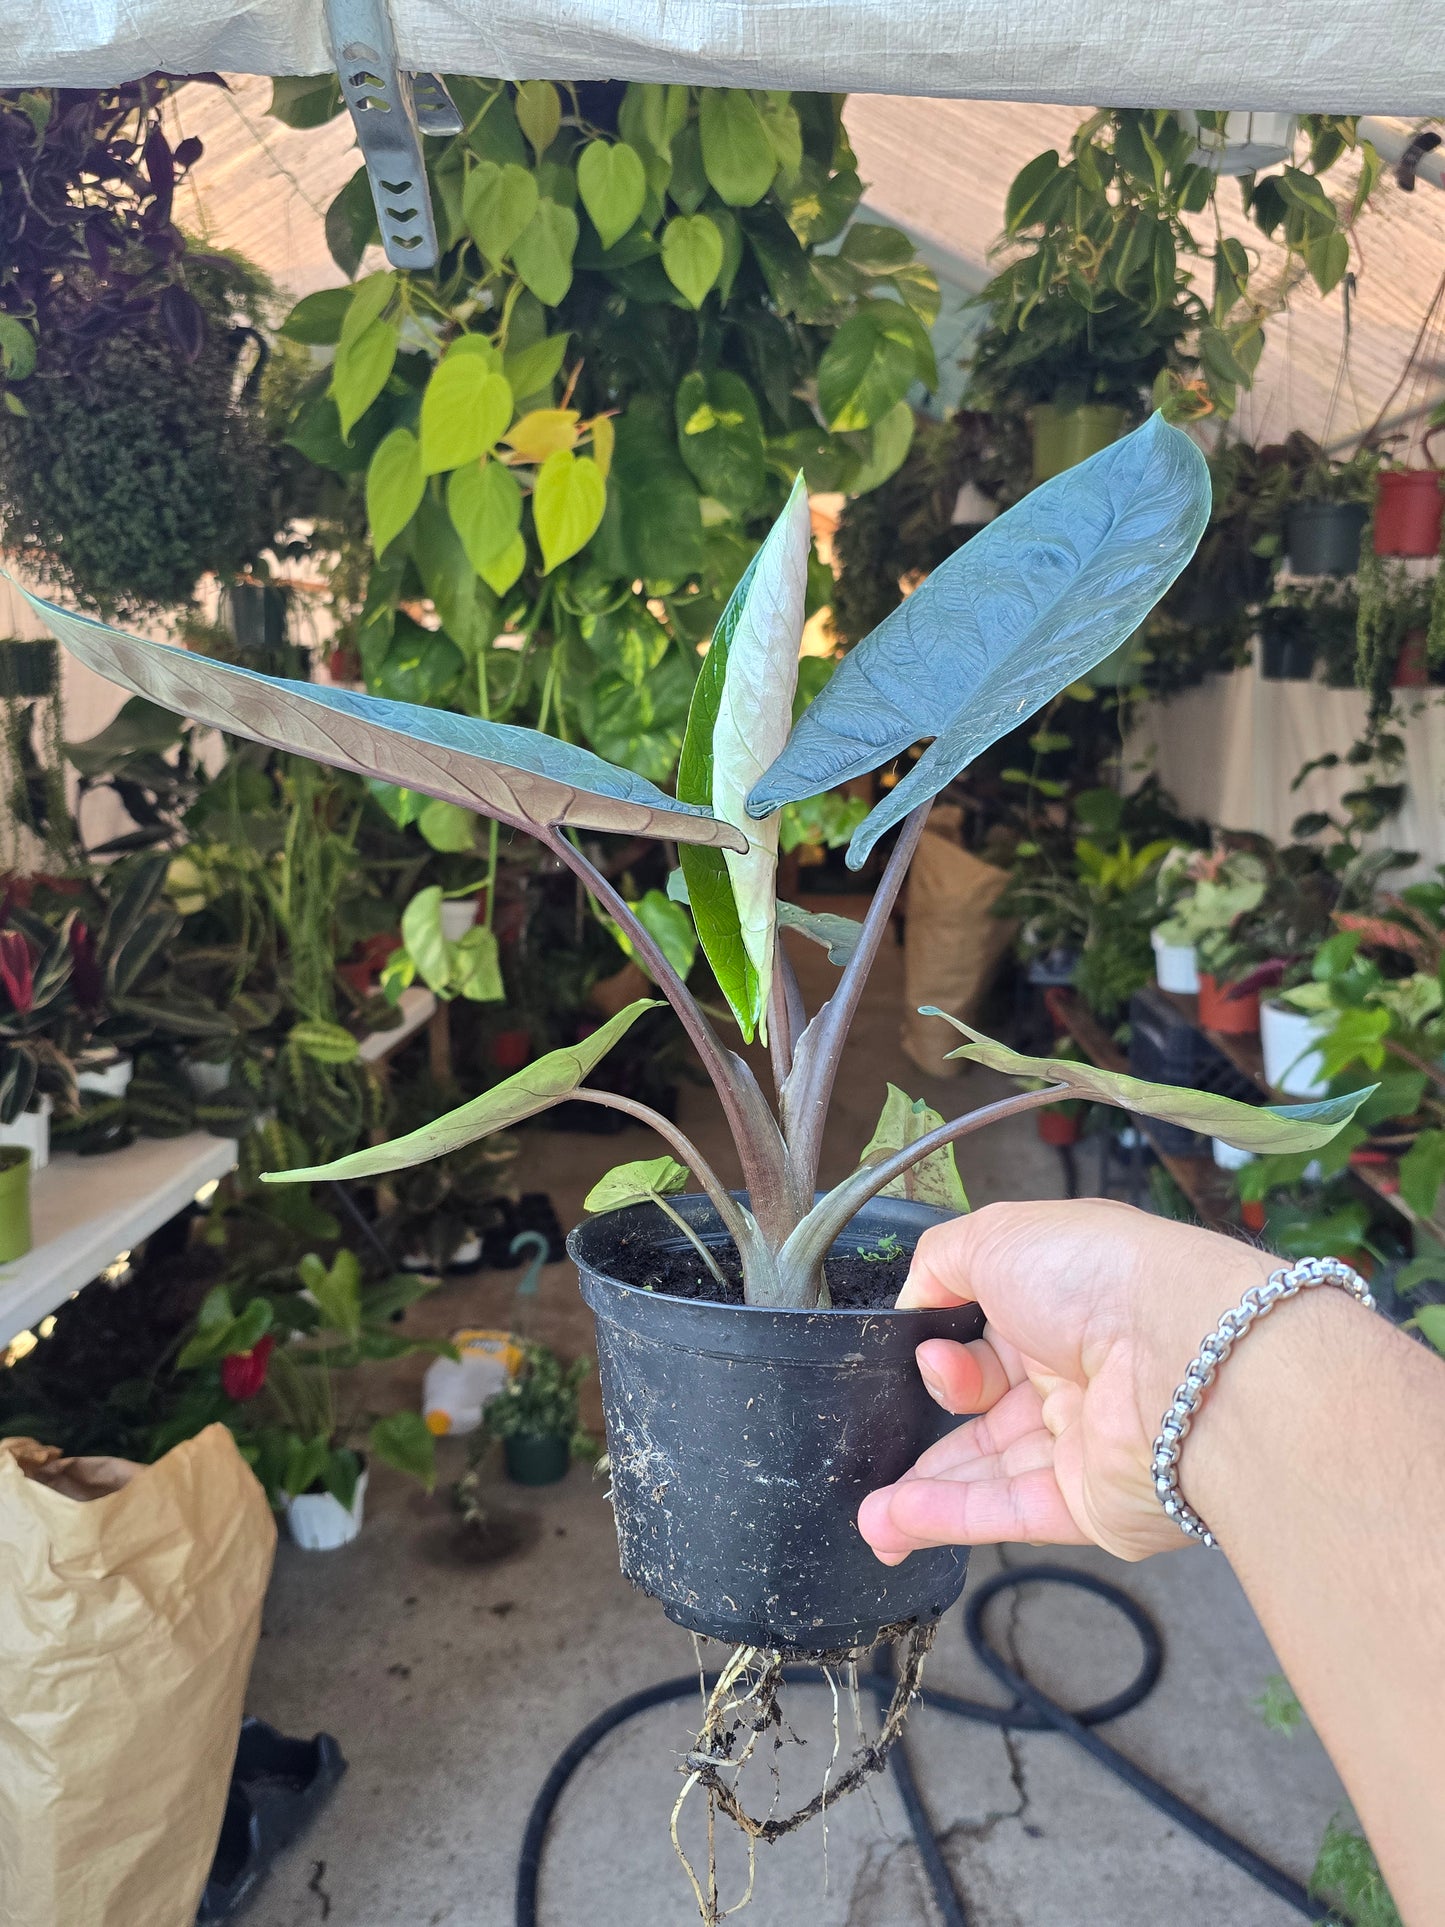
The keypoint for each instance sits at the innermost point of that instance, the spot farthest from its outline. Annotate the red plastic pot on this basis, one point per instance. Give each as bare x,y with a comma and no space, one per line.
1251,1214
1407,512
511,1049
1058,1128
1218,1010
1412,671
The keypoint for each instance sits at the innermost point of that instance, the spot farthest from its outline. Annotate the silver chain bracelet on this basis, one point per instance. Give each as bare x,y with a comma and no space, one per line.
1287,1282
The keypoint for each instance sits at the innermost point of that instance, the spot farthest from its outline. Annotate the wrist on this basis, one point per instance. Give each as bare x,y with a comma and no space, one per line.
1207,1278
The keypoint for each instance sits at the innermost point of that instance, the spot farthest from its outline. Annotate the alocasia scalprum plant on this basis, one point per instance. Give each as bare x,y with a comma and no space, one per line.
1027,607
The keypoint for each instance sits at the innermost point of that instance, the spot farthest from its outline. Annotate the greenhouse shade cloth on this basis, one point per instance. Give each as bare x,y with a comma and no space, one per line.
1324,56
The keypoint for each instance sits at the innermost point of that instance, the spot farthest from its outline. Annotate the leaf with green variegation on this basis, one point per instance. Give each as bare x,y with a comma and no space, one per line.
402,1440
497,206
934,1180
890,437
871,363
485,505
464,412
613,185
516,775
1026,608
426,944
1249,1127
476,967
542,1084
567,505
395,484
838,935
447,826
720,436
692,255
636,1183
336,1289
739,718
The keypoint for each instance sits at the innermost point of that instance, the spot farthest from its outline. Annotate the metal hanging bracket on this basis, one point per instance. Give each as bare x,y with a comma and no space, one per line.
390,110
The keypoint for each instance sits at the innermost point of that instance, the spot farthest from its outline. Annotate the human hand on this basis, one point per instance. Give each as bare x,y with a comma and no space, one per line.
1094,1311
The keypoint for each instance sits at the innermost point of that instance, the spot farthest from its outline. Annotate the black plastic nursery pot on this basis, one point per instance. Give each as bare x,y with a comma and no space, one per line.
742,1440
535,1458
1323,538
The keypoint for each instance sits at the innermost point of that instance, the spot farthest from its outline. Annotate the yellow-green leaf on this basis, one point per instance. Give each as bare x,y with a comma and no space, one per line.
497,205
395,484
543,432
737,155
361,370
464,412
542,252
537,1088
500,573
692,256
539,113
635,1183
485,505
934,1180
567,505
604,440
613,184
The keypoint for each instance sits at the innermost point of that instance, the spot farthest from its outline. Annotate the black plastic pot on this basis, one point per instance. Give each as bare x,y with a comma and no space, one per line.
278,1786
742,1441
1287,650
29,669
535,1458
1323,538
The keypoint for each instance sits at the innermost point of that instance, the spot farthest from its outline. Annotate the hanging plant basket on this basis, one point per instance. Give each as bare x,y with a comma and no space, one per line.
1323,538
1408,512
1064,437
760,1545
29,671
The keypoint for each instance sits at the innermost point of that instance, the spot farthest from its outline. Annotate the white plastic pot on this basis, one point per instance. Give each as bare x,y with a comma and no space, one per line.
1291,1062
320,1523
31,1132
207,1079
107,1080
1175,966
1244,144
458,916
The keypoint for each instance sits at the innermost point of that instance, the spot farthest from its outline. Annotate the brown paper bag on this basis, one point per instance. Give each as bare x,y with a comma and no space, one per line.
130,1606
952,944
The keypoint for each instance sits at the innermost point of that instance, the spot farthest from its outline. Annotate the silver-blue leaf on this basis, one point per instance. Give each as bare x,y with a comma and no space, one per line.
1027,607
517,775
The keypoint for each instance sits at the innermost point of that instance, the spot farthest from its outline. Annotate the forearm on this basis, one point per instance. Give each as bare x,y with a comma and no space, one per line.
1319,1462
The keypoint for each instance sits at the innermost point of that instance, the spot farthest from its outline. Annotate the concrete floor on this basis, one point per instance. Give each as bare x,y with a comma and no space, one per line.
452,1685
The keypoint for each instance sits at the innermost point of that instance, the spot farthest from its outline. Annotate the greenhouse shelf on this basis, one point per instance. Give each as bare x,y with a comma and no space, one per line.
86,1212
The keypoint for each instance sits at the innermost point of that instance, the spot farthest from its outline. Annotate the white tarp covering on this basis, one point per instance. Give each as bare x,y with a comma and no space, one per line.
1335,56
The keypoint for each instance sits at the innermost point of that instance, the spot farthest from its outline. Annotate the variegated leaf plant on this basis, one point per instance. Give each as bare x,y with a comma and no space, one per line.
1025,608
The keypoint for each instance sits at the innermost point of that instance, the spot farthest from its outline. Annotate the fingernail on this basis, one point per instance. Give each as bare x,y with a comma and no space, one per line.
933,1382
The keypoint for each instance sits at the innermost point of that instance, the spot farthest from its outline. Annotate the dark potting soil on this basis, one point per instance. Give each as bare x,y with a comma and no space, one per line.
855,1283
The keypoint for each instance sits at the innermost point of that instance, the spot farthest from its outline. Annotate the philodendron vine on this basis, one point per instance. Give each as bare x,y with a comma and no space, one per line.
1026,608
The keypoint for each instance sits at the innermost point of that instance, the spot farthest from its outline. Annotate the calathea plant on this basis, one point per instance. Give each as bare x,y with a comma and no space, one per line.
810,1372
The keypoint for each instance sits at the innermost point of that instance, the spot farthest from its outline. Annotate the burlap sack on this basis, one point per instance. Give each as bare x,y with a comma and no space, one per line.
130,1606
952,944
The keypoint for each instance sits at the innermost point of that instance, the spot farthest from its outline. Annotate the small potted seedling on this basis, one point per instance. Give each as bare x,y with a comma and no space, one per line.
756,1381
536,1417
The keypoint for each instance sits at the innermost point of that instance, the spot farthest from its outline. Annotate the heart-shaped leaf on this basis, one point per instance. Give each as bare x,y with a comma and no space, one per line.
542,252
538,108
838,935
395,484
361,370
720,435
464,412
737,155
502,571
1249,1127
692,255
871,363
635,1183
933,1180
485,505
1027,607
542,1084
497,205
496,769
740,713
567,505
613,184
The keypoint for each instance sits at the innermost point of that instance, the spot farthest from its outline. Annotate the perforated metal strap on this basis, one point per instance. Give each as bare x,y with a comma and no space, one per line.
390,110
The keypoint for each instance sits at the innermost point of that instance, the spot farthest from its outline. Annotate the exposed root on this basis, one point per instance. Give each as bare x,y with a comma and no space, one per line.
744,1705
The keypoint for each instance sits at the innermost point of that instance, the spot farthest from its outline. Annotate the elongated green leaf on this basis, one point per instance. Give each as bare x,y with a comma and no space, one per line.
1249,1127
1027,607
361,370
517,775
838,935
395,485
534,1089
635,1183
933,1180
740,712
464,412
613,184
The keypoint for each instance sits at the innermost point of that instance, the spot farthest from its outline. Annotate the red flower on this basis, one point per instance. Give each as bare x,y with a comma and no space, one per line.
17,973
244,1373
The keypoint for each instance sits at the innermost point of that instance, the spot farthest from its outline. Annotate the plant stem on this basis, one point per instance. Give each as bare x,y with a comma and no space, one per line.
728,1209
760,1148
801,1258
815,1063
782,1002
687,1231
